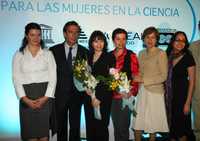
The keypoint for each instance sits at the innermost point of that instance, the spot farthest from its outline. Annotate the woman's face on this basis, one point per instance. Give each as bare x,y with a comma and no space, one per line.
120,41
34,37
150,40
179,43
98,45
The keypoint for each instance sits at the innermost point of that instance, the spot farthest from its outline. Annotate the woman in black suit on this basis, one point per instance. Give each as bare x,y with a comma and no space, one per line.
100,62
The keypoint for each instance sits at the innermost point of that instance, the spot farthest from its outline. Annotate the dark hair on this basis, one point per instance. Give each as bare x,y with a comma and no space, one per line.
97,34
119,31
150,30
28,27
69,24
170,46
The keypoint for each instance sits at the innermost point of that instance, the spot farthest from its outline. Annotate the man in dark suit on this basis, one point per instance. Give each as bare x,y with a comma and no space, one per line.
67,98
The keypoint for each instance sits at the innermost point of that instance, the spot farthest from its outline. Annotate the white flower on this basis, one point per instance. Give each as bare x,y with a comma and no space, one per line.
112,71
83,77
91,82
125,84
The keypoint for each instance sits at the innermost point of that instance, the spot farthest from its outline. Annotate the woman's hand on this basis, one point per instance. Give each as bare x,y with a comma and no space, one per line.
95,102
31,103
89,92
41,101
138,79
186,109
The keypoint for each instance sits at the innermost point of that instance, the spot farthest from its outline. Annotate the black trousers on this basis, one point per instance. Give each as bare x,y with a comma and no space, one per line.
70,110
121,120
97,130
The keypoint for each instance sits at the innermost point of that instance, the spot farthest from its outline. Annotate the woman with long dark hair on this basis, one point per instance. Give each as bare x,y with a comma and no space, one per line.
34,78
180,85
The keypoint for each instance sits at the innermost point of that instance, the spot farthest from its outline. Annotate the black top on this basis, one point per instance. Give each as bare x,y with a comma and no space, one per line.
101,67
180,123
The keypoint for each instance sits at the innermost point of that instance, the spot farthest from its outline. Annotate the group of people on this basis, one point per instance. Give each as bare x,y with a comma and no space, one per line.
163,82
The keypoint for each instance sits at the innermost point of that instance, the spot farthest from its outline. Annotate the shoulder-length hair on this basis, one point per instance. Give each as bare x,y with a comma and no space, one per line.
28,27
97,35
170,46
150,30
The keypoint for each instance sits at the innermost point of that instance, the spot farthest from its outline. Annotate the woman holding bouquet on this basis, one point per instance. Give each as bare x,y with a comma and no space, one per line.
100,62
126,61
150,108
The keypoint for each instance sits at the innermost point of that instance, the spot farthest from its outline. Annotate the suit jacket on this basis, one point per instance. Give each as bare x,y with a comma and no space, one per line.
64,90
101,67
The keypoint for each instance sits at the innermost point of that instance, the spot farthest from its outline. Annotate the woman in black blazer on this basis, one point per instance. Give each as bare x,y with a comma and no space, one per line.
100,62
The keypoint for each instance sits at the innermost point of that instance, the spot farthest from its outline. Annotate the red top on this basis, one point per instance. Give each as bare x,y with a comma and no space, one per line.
134,70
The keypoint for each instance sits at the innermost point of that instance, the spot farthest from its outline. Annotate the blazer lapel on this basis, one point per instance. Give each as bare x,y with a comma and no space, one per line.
62,53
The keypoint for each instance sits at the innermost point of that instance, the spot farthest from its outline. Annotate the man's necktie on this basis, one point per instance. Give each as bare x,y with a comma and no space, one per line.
69,59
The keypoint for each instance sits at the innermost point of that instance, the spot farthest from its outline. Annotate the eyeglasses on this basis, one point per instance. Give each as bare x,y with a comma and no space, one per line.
180,41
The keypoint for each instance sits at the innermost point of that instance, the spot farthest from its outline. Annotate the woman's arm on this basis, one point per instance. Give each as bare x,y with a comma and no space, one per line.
52,76
17,76
135,73
52,81
191,74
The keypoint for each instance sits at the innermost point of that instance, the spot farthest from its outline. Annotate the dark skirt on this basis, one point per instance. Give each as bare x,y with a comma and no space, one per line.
35,123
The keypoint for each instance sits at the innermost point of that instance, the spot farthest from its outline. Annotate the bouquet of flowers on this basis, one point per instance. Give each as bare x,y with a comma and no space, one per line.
84,80
118,81
119,78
